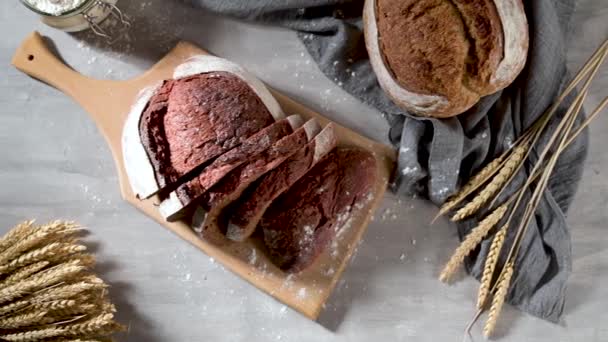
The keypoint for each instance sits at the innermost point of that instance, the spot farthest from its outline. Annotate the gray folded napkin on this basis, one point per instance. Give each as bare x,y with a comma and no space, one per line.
436,156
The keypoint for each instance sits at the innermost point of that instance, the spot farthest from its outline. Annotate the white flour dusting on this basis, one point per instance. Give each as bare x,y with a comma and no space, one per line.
302,293
253,257
55,7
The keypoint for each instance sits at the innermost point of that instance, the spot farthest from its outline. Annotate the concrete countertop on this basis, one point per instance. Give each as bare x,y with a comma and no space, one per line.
56,165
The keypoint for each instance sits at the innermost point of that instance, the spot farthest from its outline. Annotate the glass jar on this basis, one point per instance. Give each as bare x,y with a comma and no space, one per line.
88,14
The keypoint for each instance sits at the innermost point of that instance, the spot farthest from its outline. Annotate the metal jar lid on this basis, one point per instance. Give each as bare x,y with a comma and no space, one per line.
88,14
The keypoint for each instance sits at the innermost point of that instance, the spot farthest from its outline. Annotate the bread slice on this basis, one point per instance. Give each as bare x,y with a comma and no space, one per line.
302,222
439,57
213,202
171,208
210,107
247,211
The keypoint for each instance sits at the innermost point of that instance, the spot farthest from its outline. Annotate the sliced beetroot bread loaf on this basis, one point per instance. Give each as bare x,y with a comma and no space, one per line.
247,211
303,221
209,107
171,208
213,202
197,118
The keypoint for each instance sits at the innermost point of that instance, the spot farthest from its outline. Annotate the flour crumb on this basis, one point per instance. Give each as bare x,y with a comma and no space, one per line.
253,257
211,260
404,149
288,283
302,293
402,257
414,242
308,236
408,170
334,249
442,191
283,309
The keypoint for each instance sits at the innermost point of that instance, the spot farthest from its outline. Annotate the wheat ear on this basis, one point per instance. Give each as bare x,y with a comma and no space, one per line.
24,273
495,185
45,278
23,320
12,307
42,235
16,234
95,326
49,252
34,335
473,183
471,241
55,305
498,300
490,265
65,291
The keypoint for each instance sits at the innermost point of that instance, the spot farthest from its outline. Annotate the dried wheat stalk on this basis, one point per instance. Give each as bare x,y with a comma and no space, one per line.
499,299
471,241
473,184
29,318
23,273
16,234
490,265
46,289
560,138
50,251
498,182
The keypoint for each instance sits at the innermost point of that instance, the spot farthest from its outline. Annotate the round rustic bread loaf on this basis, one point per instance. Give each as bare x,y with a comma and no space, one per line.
438,57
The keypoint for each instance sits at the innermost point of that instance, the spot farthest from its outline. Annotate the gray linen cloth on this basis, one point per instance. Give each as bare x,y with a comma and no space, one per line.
436,156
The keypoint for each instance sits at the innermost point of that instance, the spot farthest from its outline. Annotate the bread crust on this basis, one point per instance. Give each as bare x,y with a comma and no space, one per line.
438,57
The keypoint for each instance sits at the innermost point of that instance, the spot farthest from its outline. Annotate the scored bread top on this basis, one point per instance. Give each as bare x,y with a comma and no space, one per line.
438,57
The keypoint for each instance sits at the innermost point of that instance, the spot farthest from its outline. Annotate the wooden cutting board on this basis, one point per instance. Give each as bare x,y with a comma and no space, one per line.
108,103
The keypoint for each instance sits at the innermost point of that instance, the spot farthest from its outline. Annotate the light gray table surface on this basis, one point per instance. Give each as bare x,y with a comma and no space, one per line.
54,164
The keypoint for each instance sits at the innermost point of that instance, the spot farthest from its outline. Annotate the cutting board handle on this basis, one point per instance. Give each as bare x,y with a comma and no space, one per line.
35,58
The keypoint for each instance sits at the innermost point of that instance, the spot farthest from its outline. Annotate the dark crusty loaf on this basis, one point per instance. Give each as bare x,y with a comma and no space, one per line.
438,57
215,200
247,211
303,221
192,120
171,207
210,106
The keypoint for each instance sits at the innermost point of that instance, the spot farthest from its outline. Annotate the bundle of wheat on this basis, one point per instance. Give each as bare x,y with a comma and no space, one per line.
486,186
47,291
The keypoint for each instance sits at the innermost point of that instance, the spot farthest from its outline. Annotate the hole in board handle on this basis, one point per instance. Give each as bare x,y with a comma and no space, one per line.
30,58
